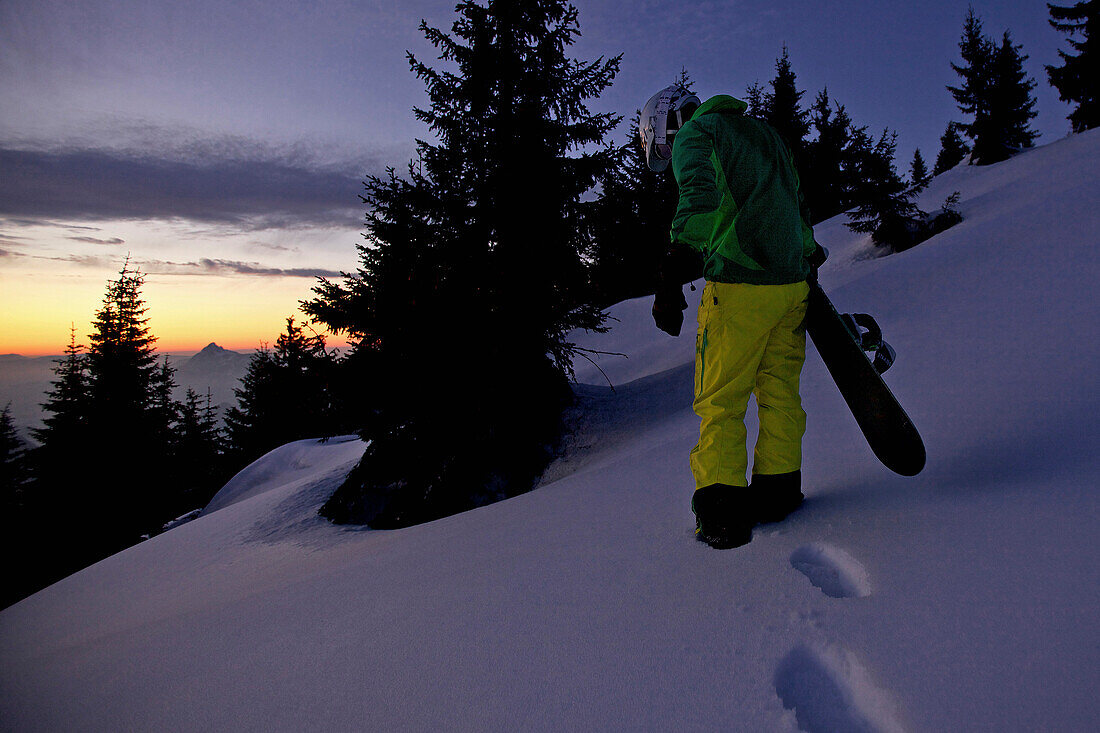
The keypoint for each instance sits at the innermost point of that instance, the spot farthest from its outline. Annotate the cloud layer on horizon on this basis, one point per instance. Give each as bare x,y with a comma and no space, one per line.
203,266
251,189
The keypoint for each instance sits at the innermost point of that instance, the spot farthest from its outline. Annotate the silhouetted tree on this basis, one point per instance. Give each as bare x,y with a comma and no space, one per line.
65,410
198,452
754,98
824,183
953,150
15,511
630,221
996,90
13,466
1011,106
975,72
288,393
130,410
886,208
102,475
918,172
475,269
1078,78
782,107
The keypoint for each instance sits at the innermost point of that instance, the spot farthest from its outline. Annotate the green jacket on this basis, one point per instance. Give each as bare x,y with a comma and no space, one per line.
739,200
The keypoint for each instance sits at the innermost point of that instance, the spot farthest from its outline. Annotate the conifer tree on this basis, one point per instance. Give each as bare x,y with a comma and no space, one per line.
858,167
476,261
996,90
121,358
953,149
101,474
972,94
163,409
67,406
13,466
198,451
58,498
782,107
17,516
130,413
288,393
754,98
1011,106
822,173
256,398
918,172
1078,78
630,220
886,208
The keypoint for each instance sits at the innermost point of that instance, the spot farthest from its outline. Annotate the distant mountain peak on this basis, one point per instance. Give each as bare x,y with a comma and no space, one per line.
214,356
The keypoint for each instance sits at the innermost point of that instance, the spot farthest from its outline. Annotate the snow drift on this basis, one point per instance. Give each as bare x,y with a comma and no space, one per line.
962,599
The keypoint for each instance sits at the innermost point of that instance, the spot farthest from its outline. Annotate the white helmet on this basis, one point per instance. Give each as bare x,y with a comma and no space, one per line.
660,120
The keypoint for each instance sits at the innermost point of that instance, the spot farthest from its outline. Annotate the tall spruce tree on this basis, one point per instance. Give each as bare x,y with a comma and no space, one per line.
754,98
975,72
918,172
953,149
288,393
61,493
886,208
475,269
66,408
1078,78
782,107
198,451
102,475
130,413
822,172
1011,106
859,168
16,511
13,466
630,220
996,90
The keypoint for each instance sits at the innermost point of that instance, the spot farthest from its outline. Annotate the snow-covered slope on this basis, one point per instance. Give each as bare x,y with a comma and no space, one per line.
962,599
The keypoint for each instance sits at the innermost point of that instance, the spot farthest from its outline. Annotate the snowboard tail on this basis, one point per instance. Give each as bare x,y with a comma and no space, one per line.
889,431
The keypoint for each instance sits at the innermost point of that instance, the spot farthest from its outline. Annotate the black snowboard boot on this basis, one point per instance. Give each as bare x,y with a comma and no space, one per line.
723,515
776,495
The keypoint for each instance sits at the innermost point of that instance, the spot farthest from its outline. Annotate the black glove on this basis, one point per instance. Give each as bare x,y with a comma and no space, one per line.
668,309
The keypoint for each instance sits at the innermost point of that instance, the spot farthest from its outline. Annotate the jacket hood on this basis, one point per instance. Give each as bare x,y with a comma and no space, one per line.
721,103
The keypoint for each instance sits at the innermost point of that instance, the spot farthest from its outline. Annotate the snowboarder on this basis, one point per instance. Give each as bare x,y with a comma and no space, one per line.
740,210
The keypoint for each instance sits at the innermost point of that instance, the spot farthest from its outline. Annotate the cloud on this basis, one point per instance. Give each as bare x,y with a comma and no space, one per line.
203,266
273,247
253,268
81,260
230,267
218,183
93,240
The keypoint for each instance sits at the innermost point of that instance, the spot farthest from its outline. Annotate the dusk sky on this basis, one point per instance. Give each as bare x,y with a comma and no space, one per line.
222,144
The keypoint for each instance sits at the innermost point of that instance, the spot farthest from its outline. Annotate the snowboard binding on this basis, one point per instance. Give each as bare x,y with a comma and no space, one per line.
865,330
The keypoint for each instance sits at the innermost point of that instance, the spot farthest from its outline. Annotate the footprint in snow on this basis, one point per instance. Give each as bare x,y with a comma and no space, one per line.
830,691
836,573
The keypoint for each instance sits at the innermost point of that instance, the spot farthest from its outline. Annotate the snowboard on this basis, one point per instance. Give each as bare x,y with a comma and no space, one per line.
843,341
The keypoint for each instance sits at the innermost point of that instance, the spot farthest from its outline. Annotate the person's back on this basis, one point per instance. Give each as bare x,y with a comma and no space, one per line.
754,232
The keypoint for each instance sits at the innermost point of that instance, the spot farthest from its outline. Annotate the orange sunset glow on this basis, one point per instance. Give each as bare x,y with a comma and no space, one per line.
237,312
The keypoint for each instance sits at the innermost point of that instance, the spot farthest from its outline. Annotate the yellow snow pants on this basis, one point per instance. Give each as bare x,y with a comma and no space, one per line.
751,340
